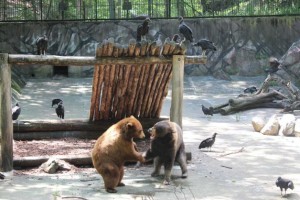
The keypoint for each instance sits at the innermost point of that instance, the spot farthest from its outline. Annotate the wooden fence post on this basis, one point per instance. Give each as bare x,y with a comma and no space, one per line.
177,89
6,126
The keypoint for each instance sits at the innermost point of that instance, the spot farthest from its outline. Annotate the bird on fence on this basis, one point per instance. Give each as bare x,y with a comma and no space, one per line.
208,142
205,45
142,29
16,111
176,38
274,65
56,101
42,45
185,30
60,110
284,184
207,111
250,90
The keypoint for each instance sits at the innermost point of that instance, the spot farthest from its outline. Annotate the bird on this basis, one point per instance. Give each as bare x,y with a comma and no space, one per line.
208,111
42,45
208,142
56,101
250,90
60,110
274,65
205,45
2,176
176,38
185,30
142,29
284,184
16,111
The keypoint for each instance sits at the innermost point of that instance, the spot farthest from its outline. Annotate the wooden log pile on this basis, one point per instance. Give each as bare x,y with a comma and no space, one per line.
121,90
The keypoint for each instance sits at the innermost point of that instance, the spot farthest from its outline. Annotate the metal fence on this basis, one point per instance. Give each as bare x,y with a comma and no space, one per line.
45,10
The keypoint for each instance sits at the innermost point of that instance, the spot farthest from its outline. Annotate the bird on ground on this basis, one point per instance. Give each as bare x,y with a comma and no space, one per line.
56,101
176,38
205,45
208,142
60,110
42,45
284,184
142,29
250,90
2,176
185,30
208,111
274,65
16,111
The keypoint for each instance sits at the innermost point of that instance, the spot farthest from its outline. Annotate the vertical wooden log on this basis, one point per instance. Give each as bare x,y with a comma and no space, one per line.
94,92
99,92
104,92
6,126
177,89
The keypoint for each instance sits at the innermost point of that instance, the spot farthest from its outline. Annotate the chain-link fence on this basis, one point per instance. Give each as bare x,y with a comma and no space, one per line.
23,10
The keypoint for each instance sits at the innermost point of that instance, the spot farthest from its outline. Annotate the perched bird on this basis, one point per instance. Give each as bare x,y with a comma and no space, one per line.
56,101
250,90
142,29
42,44
274,65
16,110
205,45
284,184
60,110
208,142
185,30
176,38
208,111
2,176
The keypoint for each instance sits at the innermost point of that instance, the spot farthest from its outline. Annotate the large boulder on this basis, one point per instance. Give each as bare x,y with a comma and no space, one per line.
271,127
287,123
258,123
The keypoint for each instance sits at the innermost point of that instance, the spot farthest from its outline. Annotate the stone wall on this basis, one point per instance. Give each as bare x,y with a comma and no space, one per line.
244,44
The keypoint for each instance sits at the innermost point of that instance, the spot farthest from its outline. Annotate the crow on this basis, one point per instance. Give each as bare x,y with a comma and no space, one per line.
16,110
284,184
208,142
2,176
176,38
56,101
208,111
250,90
60,110
205,45
42,45
142,29
274,66
185,30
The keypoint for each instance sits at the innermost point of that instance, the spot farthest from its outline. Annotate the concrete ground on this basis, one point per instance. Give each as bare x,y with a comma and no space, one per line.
242,164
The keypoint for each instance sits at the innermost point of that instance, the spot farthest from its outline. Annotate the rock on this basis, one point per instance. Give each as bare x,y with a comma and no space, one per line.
271,127
258,123
297,128
55,164
287,123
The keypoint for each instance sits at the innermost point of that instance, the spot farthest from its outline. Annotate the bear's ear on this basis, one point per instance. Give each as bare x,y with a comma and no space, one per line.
129,125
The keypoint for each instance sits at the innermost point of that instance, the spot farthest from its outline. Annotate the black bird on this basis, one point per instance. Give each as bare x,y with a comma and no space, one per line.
60,110
142,29
42,45
185,30
274,65
208,142
250,90
284,184
16,110
205,45
56,101
208,111
2,176
176,38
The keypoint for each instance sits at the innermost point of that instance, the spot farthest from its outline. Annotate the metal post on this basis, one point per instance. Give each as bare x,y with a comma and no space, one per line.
177,89
6,126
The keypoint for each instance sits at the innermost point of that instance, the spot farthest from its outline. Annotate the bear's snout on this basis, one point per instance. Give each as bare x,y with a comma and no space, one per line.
142,135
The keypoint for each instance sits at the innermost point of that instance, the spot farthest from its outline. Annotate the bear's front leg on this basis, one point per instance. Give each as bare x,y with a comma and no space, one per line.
168,164
157,162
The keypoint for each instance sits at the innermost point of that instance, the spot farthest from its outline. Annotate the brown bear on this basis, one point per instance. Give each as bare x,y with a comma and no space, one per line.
167,147
113,148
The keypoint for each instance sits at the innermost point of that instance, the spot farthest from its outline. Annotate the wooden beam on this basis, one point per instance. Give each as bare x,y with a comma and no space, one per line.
177,89
21,59
6,128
